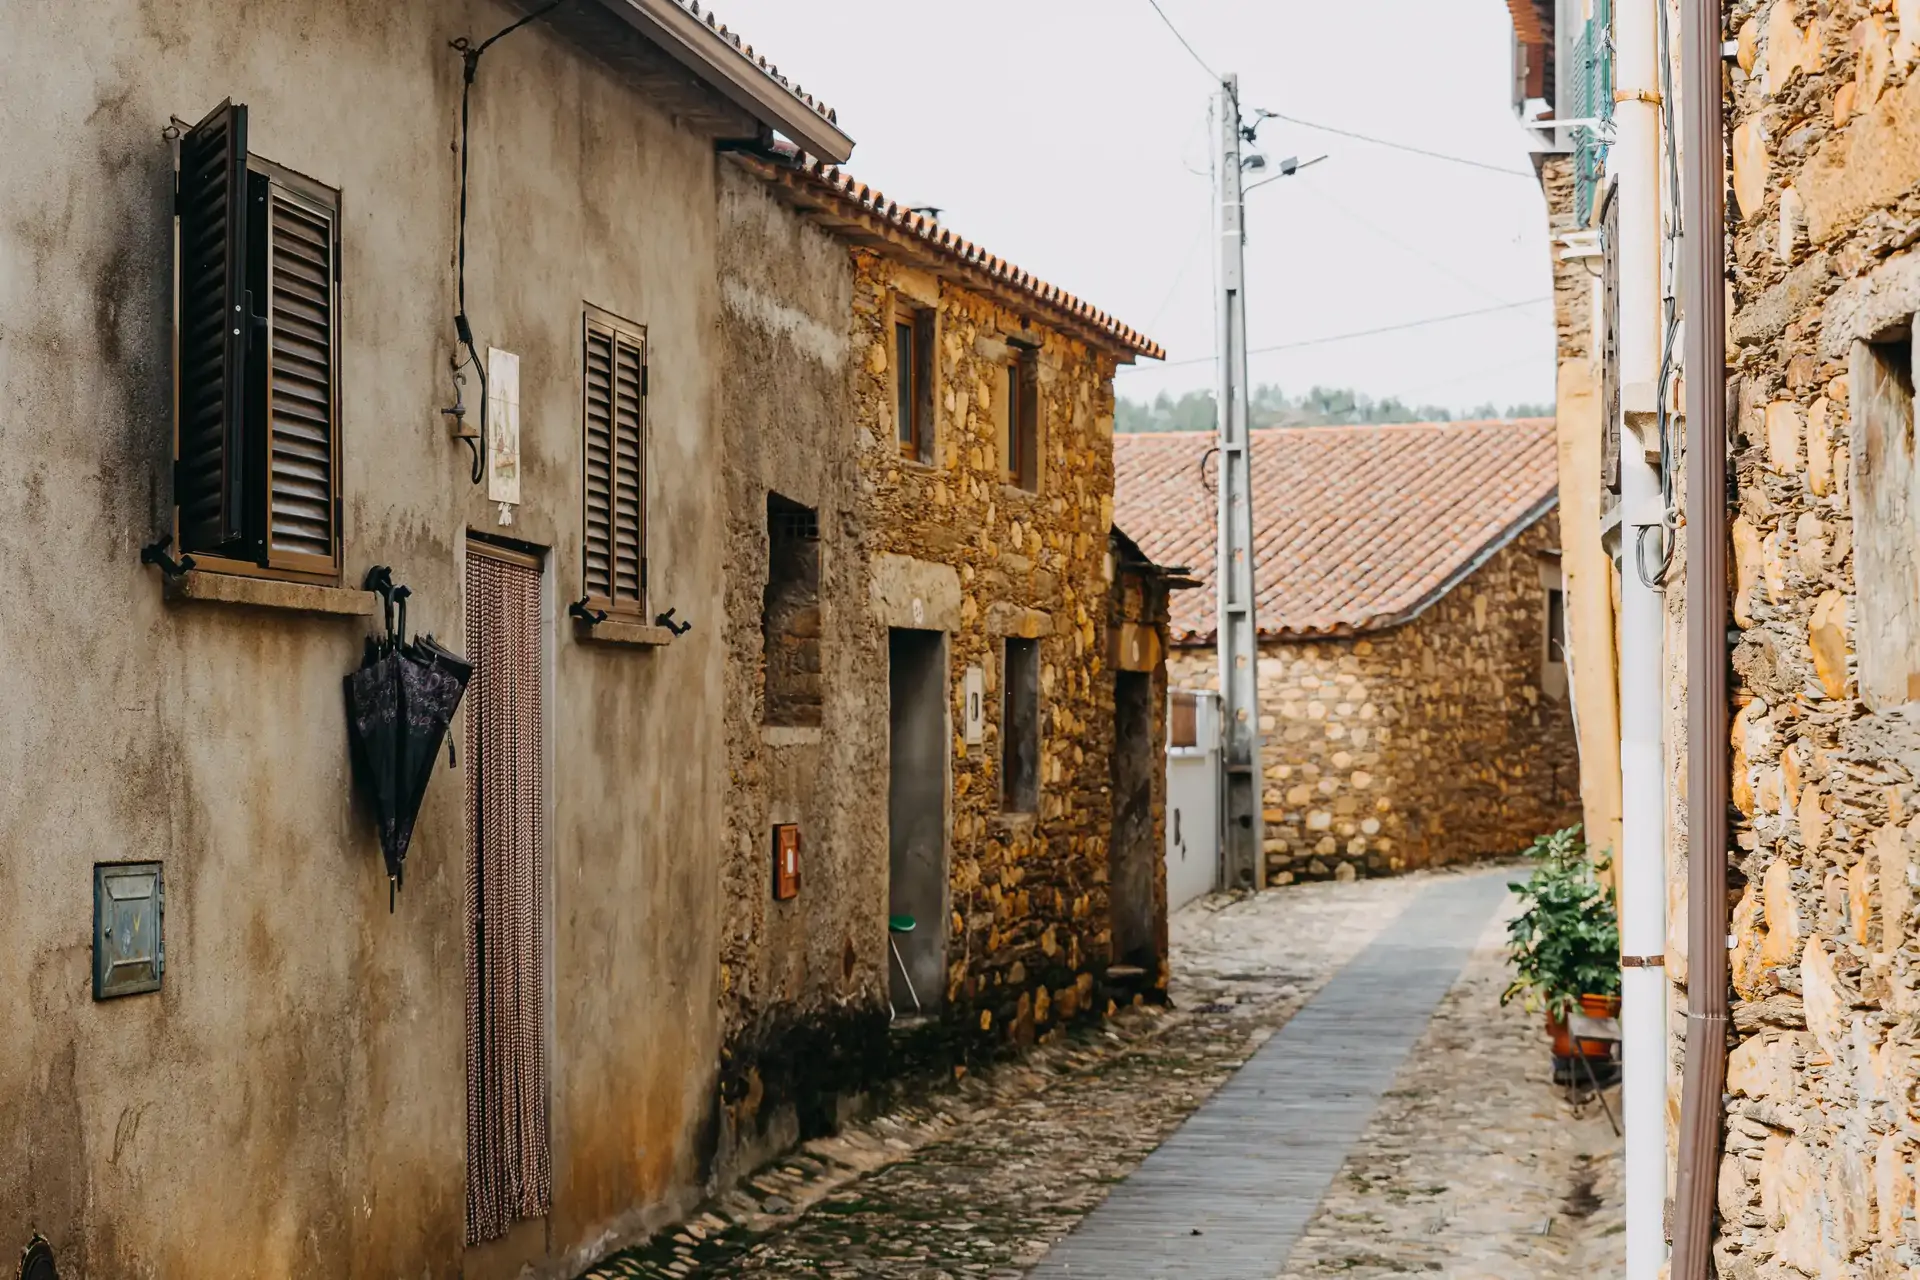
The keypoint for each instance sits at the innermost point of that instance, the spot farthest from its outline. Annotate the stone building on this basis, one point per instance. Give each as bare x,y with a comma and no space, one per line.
1817,1177
227,1056
921,554
1413,693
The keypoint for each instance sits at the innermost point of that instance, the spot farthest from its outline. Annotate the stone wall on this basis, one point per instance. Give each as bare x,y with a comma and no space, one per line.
803,980
1427,744
1029,931
944,546
1820,1137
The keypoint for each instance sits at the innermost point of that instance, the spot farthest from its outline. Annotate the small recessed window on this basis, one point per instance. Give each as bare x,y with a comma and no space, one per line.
913,381
1020,728
1556,627
1023,420
790,615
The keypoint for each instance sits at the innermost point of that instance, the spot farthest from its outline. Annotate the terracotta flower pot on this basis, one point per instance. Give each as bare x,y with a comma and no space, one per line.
1593,1007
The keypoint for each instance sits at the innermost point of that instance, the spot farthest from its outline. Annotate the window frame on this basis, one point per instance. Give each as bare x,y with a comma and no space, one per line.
618,328
253,491
914,379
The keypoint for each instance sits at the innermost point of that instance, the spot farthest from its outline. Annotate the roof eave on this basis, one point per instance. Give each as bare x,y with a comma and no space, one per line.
847,217
727,69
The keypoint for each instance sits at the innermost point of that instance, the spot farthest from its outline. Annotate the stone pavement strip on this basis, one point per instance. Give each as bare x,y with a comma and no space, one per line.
983,1178
1226,1196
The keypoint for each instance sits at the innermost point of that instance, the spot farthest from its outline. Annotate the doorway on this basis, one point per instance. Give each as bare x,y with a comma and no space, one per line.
917,818
509,1160
1130,852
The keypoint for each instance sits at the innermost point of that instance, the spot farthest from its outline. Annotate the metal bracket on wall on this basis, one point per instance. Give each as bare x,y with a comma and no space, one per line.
666,620
155,553
592,617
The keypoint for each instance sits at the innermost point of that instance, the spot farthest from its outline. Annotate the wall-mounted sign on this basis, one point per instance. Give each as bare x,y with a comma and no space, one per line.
786,861
503,426
976,706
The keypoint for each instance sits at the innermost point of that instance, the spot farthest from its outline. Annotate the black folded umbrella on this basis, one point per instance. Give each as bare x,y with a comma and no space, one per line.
399,705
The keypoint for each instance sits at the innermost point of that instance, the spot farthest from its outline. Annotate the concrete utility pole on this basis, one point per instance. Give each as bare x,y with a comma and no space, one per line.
1243,841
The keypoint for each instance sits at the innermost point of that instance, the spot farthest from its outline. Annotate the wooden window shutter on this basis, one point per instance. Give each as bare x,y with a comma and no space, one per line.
615,421
257,345
301,417
210,333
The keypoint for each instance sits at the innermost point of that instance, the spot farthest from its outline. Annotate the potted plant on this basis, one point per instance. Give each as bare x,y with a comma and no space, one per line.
1564,947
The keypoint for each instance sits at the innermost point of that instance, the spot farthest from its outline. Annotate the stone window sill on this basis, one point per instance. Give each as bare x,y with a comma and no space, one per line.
790,735
199,586
1008,823
634,635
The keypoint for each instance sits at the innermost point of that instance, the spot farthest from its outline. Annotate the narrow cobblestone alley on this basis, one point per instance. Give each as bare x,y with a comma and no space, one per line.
1471,1165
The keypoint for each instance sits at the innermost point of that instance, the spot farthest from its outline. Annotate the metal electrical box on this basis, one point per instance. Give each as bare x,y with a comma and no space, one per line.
129,947
786,861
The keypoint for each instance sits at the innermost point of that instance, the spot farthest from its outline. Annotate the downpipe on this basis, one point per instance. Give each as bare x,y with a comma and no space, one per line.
1703,298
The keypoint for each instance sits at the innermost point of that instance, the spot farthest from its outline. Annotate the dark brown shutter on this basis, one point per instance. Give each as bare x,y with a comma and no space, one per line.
616,472
301,414
1027,373
211,331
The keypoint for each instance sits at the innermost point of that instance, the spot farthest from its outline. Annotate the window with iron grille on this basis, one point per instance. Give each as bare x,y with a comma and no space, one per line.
614,421
913,369
256,476
1023,420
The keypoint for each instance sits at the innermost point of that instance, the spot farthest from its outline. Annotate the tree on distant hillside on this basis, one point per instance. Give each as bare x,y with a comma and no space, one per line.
1318,407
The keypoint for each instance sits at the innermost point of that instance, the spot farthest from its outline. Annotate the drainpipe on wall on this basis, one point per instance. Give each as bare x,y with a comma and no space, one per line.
1703,298
1636,162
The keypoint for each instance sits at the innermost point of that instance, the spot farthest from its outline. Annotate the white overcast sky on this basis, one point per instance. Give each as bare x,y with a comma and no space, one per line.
1064,135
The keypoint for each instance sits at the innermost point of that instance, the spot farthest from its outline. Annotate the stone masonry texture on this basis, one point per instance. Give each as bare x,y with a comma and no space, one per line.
1423,745
982,1178
1822,1116
943,544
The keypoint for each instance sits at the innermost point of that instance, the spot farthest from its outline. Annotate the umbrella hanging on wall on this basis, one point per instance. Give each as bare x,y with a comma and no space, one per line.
399,705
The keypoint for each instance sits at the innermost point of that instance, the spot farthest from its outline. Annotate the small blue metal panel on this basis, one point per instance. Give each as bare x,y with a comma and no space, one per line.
129,909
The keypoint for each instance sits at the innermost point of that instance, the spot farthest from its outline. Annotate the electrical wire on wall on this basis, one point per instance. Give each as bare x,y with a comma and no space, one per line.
470,54
1669,363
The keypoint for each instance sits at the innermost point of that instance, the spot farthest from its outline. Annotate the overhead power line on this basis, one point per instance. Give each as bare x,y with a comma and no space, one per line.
1365,333
1185,43
1401,146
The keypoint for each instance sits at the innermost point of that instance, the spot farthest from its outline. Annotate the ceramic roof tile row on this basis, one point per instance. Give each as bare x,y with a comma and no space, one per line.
832,180
820,109
1356,528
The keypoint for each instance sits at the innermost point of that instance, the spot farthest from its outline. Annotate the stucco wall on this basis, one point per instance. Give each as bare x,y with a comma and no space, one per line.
292,1102
1426,744
803,980
1818,1173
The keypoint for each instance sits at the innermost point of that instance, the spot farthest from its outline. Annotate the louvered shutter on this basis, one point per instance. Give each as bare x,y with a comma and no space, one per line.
211,331
616,474
302,418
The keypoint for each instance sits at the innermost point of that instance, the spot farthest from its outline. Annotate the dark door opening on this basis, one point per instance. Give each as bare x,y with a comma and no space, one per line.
917,819
1130,851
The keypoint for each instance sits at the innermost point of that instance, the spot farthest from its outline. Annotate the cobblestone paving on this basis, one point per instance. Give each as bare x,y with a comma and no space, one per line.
979,1180
1474,1164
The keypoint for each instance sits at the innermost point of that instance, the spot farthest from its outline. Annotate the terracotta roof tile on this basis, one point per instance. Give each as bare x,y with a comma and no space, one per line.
831,181
1355,528
820,109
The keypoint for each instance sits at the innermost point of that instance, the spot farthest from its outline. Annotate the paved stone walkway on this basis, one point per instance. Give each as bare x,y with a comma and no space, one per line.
1228,1194
983,1179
